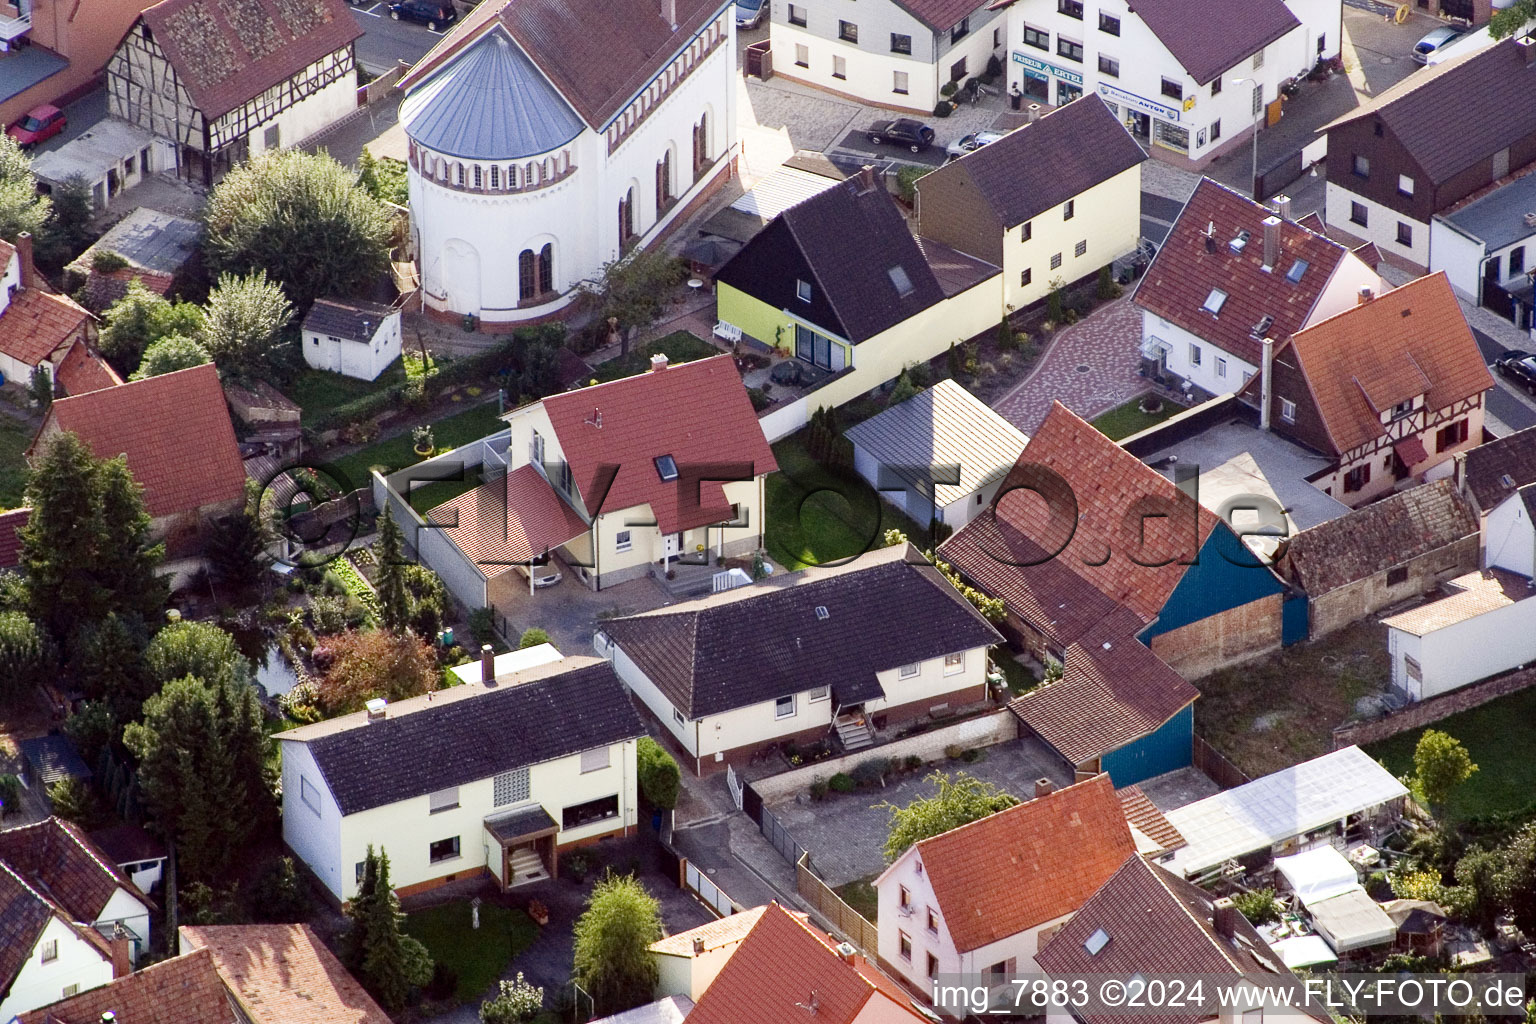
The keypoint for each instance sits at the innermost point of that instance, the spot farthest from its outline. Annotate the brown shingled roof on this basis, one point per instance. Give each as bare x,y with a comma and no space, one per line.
508,521
183,990
284,974
1145,817
1486,467
82,370
37,323
58,858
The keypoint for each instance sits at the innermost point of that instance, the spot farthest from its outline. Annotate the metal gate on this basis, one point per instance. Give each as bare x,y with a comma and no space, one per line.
708,891
782,841
734,785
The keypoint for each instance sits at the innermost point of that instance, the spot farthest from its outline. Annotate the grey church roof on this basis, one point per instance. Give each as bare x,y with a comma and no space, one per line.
491,103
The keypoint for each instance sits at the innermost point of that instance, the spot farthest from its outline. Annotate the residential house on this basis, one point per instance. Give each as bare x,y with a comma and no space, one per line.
54,50
877,642
1117,549
548,137
612,489
158,249
1146,920
688,962
891,53
57,858
1485,625
454,784
1486,244
228,974
148,422
1382,554
1191,79
1050,203
1388,391
984,898
353,338
222,84
1492,476
939,456
1423,145
840,281
106,159
785,969
38,328
137,854
1230,274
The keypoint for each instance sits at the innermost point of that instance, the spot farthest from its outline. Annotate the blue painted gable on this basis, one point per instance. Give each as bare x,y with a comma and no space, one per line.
1225,575
1167,749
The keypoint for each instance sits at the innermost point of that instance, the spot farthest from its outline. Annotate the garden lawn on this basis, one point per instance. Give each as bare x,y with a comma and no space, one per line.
399,451
1125,420
817,515
478,956
861,895
317,392
679,347
13,463
1498,735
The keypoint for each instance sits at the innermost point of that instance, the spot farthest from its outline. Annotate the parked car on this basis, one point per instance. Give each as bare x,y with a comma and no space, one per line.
903,131
430,13
1519,367
975,140
1435,40
37,125
750,13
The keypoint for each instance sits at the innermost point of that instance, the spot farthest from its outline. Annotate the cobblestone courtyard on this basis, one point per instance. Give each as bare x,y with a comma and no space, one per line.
1090,367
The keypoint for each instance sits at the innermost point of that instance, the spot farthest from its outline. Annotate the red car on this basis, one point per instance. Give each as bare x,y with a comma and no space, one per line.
39,124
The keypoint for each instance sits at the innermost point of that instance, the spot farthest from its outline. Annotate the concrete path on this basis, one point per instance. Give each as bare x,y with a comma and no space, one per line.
1090,367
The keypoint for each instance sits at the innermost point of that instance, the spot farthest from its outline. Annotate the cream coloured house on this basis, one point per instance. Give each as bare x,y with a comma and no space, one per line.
456,784
839,653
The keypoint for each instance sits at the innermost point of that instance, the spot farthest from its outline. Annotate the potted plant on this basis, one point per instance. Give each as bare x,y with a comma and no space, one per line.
538,911
422,435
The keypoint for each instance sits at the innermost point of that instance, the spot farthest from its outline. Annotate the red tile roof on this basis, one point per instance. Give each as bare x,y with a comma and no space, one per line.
727,931
284,974
10,542
174,430
183,990
1125,534
1023,867
228,53
82,370
508,521
784,967
1188,267
36,323
1408,342
698,413
1145,817
55,856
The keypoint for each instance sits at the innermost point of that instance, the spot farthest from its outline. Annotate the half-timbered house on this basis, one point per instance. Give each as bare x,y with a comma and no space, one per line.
1389,390
223,81
548,137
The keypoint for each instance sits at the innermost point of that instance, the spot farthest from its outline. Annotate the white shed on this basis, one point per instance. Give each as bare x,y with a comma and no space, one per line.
941,454
1485,626
358,339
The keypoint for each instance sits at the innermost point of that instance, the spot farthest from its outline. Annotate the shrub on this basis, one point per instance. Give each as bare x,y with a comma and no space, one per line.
1258,905
10,794
759,398
516,1002
1417,885
949,89
913,762
482,626
944,109
953,752
445,981
920,374
74,800
1005,336
279,893
818,788
870,773
1377,887
841,783
907,178
658,774
106,261
532,638
994,66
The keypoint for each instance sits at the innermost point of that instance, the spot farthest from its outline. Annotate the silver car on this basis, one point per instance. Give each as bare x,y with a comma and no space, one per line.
974,141
1436,40
749,13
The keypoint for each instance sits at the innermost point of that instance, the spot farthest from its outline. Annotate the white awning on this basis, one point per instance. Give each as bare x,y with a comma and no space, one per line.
1352,920
1303,951
1318,874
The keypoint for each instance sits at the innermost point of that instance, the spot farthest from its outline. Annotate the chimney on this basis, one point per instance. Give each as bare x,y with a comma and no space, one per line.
1043,787
1527,44
1366,295
376,708
1224,917
1271,242
1034,112
108,1017
1266,382
848,952
669,13
122,951
698,946
866,178
658,363
487,665
24,258
1283,207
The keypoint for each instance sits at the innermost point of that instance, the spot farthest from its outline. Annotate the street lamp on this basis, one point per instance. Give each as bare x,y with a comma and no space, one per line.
1254,179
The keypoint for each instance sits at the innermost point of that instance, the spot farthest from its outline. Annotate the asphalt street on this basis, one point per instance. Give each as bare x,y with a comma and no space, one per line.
1505,402
387,41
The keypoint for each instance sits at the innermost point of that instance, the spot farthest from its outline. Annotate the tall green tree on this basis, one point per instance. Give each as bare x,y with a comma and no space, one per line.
613,936
245,318
955,801
21,208
198,649
201,754
67,231
169,354
634,287
304,219
394,599
237,542
139,319
108,664
26,656
387,961
40,387
1440,764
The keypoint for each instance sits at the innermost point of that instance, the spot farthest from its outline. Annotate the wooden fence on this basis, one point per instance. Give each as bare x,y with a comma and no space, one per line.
843,918
1220,771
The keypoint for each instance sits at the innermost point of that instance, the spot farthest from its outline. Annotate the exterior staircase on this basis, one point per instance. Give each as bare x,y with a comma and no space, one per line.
524,866
854,733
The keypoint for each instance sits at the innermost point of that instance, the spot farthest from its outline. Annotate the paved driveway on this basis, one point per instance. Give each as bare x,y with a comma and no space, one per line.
1090,367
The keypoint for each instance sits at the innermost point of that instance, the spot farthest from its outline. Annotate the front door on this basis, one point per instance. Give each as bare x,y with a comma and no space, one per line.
671,545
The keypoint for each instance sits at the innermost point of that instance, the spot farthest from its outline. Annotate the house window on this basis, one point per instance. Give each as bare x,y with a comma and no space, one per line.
622,541
797,15
271,138
906,946
997,38
1109,66
677,716
358,869
1069,209
1287,410
1194,355
1258,60
1026,231
803,290
848,32
933,966
1451,436
1357,478
1081,248
443,800
1258,100
933,921
443,849
1404,185
960,31
1214,301
784,707
904,898
954,663
1362,166
510,787
1402,409
309,794
899,83
1071,8
802,55
1056,261
579,815
1516,261
1215,130
1221,366
1036,37
1216,86
1109,23
1404,233
50,951
821,693
1068,49
1025,276
1172,89
479,177
908,671
1357,214
71,990
901,43
594,760
1397,577
495,177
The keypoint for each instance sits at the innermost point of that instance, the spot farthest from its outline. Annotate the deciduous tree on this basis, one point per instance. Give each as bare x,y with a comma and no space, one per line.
26,656
170,353
657,773
613,935
245,317
139,319
1440,764
956,801
21,208
362,665
198,649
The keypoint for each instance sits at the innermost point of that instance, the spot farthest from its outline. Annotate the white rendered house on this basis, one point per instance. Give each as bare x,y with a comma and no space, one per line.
547,139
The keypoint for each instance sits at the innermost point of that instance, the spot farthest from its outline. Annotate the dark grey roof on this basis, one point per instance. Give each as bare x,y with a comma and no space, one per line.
1041,165
354,321
754,644
516,824
1498,218
1209,37
424,746
490,103
52,758
1487,467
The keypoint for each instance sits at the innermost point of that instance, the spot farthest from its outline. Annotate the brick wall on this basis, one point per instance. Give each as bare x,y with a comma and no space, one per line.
1424,712
1223,639
1338,608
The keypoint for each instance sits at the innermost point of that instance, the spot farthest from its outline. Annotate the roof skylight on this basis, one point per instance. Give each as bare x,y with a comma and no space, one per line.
666,467
899,278
1214,301
1297,269
1096,942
